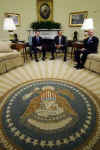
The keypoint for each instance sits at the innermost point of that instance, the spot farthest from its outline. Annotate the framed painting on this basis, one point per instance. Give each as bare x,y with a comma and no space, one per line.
76,19
15,17
45,10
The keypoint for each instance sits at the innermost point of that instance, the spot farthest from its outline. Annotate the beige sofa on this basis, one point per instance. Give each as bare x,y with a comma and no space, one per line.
9,58
93,62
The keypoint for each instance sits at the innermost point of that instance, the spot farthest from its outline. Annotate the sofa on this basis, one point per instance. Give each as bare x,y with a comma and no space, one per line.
9,58
93,62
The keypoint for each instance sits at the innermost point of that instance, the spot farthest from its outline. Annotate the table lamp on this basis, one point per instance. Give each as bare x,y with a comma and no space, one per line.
88,24
10,26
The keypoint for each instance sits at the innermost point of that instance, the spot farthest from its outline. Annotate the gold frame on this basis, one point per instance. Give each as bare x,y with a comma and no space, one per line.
15,17
76,18
40,3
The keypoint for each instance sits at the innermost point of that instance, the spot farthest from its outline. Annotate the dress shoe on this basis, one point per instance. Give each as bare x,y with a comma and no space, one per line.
52,58
36,60
77,66
81,67
43,58
65,59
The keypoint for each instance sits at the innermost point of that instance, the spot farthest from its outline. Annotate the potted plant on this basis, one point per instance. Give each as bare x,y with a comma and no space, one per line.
45,25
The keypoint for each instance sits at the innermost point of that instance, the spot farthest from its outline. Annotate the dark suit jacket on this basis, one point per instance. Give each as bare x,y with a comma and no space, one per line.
36,43
63,40
91,45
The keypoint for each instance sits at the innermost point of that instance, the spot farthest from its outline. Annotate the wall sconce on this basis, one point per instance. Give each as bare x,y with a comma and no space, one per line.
9,26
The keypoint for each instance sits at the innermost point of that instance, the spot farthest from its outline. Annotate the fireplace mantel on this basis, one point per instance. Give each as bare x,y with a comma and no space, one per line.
46,33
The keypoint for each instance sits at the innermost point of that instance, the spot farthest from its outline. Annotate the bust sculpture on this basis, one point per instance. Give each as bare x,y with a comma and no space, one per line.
75,36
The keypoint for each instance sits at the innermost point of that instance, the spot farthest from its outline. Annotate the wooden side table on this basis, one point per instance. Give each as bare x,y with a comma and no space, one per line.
75,46
20,47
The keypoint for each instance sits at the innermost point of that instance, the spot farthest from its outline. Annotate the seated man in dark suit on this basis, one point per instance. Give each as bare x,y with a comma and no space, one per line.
60,42
37,45
90,46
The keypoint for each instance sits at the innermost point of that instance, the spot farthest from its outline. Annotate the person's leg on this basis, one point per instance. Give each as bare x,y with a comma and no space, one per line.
52,51
31,51
43,52
35,53
65,52
83,58
77,57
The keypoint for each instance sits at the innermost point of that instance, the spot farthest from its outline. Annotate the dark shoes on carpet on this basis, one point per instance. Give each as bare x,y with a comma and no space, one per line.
52,58
79,66
65,59
76,66
36,60
43,58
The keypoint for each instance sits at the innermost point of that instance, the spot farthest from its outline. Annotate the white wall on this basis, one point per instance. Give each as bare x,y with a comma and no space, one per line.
61,10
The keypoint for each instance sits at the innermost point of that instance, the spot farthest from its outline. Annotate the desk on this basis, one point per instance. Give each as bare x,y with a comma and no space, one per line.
75,46
19,47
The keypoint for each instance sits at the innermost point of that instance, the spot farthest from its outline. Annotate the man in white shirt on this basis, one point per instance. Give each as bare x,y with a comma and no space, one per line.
60,42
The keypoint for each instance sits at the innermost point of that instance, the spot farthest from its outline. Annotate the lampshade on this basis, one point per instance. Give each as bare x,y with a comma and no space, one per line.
9,24
88,24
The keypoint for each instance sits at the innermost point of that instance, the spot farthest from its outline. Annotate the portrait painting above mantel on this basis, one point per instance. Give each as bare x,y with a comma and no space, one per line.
45,10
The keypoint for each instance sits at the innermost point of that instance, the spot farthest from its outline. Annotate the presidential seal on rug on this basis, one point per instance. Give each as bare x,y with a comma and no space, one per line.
49,114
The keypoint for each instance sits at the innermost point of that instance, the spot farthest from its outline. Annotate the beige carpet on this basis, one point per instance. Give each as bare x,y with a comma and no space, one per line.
56,69
50,69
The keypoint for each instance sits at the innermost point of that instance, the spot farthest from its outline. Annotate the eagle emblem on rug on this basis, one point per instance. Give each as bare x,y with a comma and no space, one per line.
49,110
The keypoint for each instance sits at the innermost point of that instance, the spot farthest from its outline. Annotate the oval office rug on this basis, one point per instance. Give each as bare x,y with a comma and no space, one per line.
49,115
